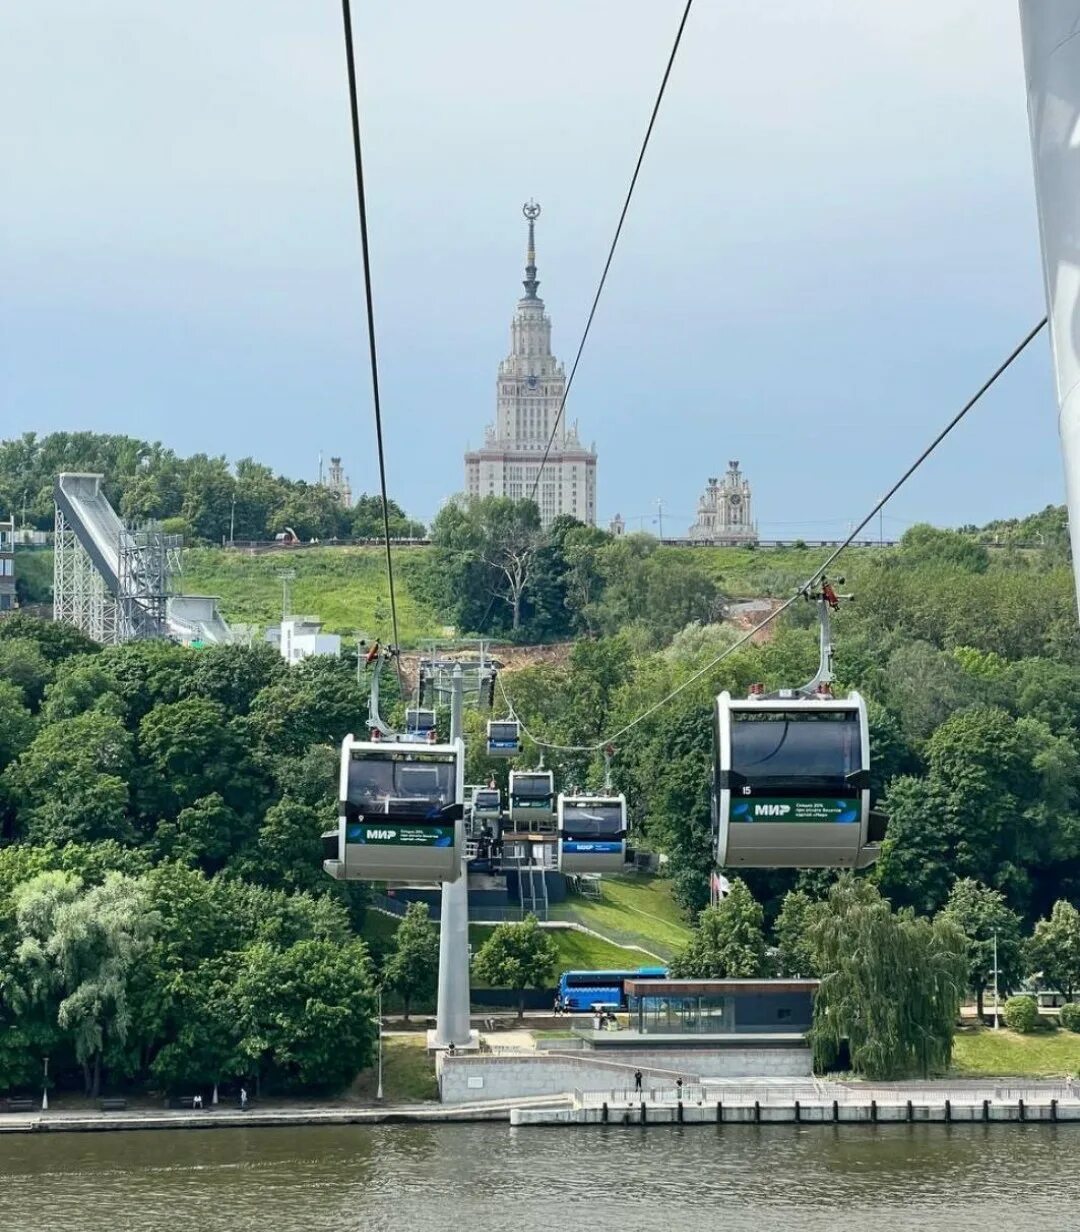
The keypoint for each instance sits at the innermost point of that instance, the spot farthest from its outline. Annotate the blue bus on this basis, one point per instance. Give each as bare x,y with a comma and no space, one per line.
579,991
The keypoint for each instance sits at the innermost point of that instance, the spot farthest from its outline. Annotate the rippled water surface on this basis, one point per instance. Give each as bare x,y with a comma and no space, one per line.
482,1178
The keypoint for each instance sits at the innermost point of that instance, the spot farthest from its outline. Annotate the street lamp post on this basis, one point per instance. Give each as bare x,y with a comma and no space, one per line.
232,520
378,1093
997,1020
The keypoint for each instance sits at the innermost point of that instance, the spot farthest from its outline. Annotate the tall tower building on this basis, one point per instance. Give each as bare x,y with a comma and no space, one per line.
724,514
529,391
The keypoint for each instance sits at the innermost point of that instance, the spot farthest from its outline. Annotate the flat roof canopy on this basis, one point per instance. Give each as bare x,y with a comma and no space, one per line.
715,988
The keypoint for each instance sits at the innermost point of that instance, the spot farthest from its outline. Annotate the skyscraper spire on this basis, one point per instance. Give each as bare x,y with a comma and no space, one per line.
532,212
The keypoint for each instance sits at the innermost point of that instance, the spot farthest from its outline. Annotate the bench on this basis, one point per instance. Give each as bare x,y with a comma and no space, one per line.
114,1105
184,1101
20,1105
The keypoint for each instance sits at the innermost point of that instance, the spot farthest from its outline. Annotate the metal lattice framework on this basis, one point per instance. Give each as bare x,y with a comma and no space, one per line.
80,597
109,580
436,674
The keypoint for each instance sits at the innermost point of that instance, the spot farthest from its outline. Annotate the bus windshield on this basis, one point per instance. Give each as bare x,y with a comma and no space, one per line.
593,819
778,746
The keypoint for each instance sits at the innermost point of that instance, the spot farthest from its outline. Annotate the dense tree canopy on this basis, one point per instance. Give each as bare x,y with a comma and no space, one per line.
199,496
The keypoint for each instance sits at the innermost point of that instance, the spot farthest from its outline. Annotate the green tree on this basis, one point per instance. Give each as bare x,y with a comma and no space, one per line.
925,545
1055,948
891,984
16,723
794,942
728,942
188,750
317,702
412,969
232,676
306,1013
207,832
982,915
517,956
24,665
287,851
80,684
77,950
71,783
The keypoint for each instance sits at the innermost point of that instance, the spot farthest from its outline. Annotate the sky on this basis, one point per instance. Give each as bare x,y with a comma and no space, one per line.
832,243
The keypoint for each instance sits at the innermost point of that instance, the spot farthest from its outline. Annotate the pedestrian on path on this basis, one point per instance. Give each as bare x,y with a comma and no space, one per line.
243,1099
637,1080
678,1089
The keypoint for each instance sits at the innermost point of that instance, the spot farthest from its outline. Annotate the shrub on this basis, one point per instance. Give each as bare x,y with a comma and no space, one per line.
1021,1014
1070,1016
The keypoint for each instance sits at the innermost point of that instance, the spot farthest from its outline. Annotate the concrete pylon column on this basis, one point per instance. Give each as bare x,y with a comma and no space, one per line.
452,1015
1051,37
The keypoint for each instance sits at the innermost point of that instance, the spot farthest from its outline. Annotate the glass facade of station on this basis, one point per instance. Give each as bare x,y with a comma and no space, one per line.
720,1007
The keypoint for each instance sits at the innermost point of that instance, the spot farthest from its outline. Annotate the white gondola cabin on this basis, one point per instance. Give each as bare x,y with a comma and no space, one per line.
401,816
532,798
420,723
487,804
592,834
791,782
503,738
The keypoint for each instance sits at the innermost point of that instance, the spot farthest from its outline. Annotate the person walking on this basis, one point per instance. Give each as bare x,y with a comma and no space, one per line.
243,1099
678,1089
637,1080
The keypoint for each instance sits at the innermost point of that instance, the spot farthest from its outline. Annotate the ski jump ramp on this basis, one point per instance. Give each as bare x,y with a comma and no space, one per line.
114,582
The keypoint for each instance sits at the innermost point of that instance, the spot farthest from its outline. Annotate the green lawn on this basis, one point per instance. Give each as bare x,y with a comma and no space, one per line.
638,909
408,1072
345,587
576,950
988,1053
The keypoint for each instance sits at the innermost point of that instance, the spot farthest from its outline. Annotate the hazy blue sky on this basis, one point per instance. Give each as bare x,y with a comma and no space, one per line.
832,243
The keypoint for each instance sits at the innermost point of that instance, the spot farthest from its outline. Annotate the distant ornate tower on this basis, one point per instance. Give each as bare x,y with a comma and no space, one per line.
724,513
338,483
529,391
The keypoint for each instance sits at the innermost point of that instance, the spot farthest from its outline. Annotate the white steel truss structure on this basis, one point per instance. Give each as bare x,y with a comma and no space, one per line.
79,594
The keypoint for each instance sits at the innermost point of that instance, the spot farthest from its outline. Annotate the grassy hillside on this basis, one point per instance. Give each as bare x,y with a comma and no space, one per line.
345,587
743,573
638,908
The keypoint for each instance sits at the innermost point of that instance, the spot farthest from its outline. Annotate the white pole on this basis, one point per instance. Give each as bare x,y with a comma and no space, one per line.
452,1025
997,1020
1052,67
378,1093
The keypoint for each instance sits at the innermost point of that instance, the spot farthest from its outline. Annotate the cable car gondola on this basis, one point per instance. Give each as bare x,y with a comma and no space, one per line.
592,833
419,723
532,798
401,814
503,738
792,782
487,804
792,773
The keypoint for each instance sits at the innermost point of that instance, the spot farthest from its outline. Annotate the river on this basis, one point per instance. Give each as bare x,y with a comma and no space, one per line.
487,1178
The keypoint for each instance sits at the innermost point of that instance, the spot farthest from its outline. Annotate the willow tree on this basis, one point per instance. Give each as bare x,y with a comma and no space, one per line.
891,985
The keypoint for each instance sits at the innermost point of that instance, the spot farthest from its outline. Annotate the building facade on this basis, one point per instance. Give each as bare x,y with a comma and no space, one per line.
7,565
529,392
724,512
